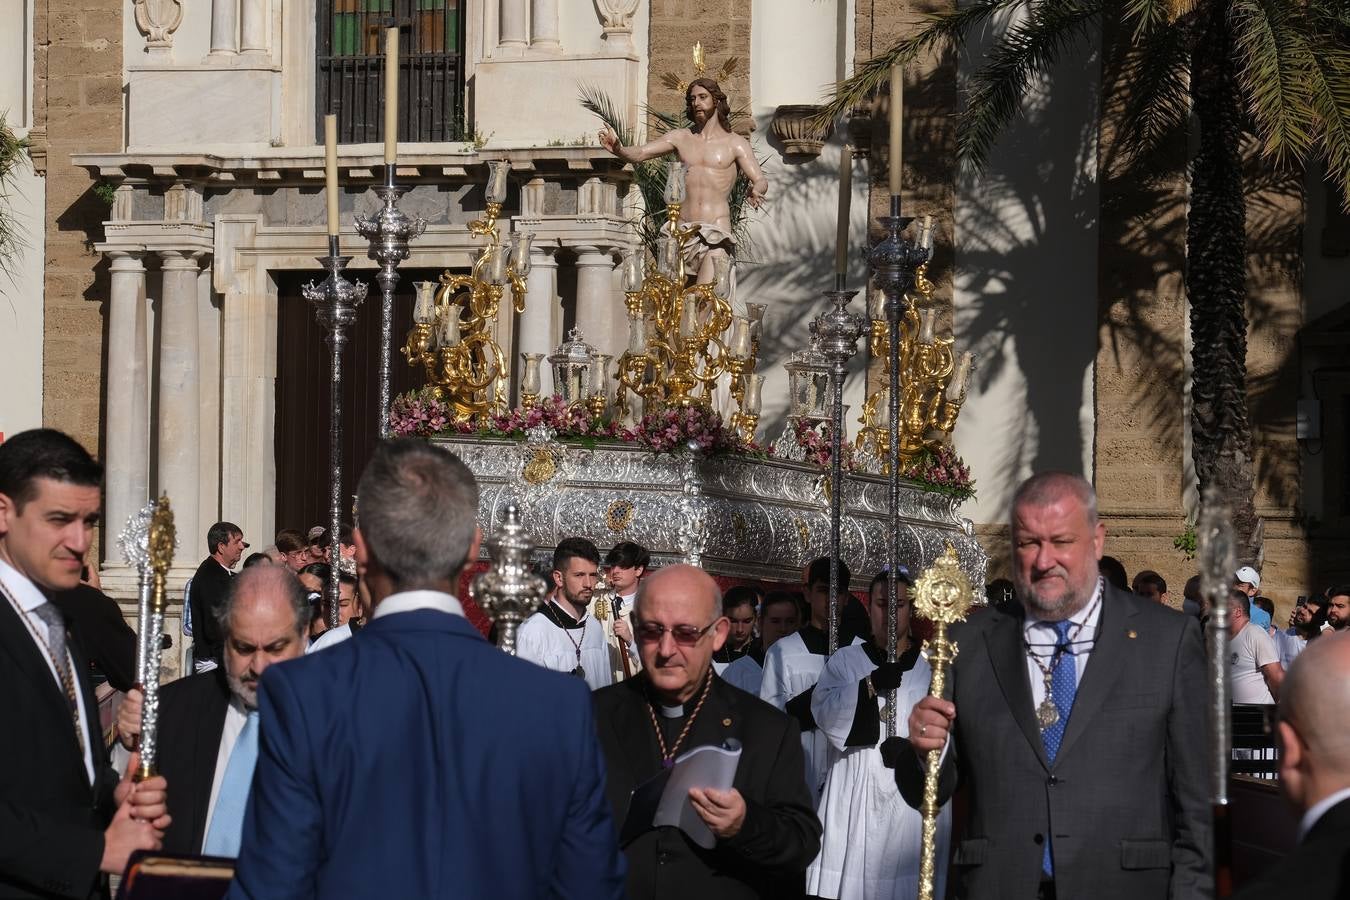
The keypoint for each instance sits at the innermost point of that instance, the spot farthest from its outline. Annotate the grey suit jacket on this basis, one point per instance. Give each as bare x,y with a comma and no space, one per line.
1125,799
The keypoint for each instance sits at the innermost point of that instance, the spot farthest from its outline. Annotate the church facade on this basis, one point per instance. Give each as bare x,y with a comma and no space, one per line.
179,148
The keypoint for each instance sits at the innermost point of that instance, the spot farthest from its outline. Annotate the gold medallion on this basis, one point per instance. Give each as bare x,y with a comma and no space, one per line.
540,467
1047,714
619,515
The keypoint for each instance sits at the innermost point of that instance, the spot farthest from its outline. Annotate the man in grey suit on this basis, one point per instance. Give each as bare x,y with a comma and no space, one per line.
1081,726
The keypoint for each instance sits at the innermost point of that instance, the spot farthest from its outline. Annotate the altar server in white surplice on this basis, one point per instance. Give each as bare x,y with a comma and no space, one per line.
563,635
870,850
780,615
792,665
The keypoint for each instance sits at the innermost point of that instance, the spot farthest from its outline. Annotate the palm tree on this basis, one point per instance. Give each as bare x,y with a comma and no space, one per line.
1276,72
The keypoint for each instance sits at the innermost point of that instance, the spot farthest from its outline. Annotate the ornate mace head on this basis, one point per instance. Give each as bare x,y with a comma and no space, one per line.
508,591
942,594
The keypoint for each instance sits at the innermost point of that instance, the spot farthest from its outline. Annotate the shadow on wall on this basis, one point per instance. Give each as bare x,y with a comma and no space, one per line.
1026,258
789,262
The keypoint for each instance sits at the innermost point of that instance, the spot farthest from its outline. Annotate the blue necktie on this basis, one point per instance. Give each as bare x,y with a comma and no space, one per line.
227,822
1063,687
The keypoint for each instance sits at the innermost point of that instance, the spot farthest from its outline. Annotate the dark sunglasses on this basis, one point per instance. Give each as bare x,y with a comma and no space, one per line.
684,635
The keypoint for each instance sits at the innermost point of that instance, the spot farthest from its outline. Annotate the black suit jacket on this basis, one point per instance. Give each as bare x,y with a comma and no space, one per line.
1125,798
781,834
96,625
1317,869
51,818
191,721
209,586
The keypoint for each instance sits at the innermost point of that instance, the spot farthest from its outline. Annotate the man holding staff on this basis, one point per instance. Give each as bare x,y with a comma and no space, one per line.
1078,722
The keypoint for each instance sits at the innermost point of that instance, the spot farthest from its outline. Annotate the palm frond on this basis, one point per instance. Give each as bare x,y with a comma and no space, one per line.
672,81
1146,17
606,110
1157,99
728,68
940,31
1028,48
1328,87
13,156
1273,61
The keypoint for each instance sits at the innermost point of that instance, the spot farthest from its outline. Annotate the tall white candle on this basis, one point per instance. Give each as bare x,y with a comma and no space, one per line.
897,126
330,171
390,95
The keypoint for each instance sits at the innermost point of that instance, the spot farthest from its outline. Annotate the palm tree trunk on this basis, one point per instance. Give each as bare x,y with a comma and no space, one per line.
1216,249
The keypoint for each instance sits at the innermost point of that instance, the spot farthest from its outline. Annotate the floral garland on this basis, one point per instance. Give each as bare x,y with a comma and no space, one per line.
420,414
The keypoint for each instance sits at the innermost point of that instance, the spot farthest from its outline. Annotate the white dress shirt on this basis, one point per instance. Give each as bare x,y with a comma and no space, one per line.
25,597
235,717
407,601
1042,637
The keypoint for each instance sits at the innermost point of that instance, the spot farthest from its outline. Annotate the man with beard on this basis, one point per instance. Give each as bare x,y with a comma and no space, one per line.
1305,623
563,635
1075,725
1338,608
711,153
780,615
208,723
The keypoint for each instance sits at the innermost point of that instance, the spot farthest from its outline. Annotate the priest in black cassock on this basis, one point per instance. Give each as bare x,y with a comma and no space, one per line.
765,827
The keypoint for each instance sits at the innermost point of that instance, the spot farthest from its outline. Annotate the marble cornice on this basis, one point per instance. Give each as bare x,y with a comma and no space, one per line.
418,163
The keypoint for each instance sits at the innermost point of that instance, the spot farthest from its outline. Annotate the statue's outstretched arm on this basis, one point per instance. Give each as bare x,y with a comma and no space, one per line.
651,150
759,182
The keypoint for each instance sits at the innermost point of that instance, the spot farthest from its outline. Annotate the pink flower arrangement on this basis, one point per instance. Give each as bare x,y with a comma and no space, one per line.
941,469
675,428
814,438
418,414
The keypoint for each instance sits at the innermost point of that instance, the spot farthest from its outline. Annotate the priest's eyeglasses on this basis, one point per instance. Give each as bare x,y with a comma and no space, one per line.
684,635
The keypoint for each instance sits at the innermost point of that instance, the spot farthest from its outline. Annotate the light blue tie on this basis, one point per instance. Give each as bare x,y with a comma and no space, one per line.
227,822
1063,687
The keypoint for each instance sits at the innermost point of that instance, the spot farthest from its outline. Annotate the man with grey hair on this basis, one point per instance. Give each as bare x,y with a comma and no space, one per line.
453,769
208,723
1076,722
1315,776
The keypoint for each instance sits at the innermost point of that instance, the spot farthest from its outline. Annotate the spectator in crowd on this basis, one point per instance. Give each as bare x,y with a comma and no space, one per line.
1247,580
294,548
1305,623
1254,665
254,559
1266,619
1114,573
206,592
1191,603
1338,607
1315,777
1150,584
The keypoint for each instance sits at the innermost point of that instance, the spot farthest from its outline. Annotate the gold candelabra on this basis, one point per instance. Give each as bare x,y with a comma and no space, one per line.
683,337
942,594
932,382
452,338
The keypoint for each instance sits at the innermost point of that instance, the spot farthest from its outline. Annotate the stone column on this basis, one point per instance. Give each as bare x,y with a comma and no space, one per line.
253,27
596,299
541,305
544,26
127,428
179,429
224,28
511,25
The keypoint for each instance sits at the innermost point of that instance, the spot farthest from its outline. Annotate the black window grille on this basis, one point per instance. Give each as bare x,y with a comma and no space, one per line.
350,83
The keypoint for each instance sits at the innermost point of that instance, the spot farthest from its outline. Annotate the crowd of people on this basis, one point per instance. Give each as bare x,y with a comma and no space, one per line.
401,754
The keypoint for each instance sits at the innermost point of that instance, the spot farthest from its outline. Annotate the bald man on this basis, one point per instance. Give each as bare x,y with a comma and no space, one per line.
1315,776
765,826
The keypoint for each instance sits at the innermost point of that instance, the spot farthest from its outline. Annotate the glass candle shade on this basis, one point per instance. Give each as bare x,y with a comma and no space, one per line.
496,266
689,318
600,374
632,271
739,344
520,252
424,307
956,388
722,276
927,321
754,313
637,336
668,256
530,382
675,190
498,170
926,233
876,304
449,336
754,387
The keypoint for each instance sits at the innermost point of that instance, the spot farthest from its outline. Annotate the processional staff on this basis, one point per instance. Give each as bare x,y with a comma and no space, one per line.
1218,560
942,594
160,539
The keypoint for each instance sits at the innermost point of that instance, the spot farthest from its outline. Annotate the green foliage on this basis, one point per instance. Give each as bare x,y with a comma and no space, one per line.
13,157
106,191
1185,542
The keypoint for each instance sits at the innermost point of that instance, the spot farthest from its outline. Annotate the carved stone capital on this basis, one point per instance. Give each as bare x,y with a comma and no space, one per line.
158,20
792,126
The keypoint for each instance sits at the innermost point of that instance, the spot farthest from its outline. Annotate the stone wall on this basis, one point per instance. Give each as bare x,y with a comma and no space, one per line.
723,27
77,107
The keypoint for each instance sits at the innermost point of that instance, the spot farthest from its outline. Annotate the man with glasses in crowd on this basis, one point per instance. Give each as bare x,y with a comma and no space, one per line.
765,827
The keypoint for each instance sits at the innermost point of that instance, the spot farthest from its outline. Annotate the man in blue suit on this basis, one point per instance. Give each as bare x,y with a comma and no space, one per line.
417,760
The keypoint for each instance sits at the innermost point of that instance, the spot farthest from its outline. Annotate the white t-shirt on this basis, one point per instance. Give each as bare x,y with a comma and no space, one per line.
1247,653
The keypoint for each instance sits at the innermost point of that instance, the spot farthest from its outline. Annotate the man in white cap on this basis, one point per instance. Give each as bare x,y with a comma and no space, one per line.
1248,581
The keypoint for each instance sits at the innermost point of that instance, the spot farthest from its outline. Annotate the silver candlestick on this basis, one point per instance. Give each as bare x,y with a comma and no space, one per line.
335,301
1216,551
135,544
508,591
894,260
388,232
838,331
